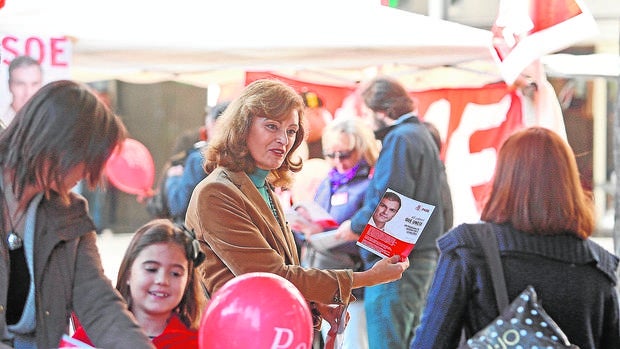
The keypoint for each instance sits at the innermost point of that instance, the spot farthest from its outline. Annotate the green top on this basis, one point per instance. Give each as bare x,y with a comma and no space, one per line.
258,177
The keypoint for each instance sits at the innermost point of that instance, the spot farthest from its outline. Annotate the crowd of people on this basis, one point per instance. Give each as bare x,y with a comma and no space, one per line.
181,179
230,219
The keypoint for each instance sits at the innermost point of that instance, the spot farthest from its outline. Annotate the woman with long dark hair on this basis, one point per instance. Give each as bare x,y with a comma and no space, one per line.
543,219
49,265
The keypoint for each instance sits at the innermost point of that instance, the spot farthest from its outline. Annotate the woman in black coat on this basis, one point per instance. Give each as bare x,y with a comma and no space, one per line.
543,220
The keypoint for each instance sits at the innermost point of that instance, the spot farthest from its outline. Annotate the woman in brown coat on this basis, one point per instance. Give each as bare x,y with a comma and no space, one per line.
234,210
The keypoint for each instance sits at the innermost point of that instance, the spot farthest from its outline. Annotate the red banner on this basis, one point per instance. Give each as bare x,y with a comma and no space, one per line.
331,95
473,123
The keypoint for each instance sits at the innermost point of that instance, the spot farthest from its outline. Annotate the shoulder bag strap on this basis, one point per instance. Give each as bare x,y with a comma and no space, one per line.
488,242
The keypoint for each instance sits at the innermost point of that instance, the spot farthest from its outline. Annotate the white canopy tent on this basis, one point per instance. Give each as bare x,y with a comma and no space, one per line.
598,65
203,41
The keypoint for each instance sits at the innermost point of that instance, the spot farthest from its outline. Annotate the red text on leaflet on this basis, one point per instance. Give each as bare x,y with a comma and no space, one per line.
378,241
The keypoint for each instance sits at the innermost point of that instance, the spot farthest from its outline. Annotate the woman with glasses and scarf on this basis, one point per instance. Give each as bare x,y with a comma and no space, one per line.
349,145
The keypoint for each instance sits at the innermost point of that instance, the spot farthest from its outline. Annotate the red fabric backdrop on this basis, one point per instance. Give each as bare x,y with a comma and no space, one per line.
473,123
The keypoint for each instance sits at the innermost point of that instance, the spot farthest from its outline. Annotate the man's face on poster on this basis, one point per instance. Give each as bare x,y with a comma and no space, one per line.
24,82
385,211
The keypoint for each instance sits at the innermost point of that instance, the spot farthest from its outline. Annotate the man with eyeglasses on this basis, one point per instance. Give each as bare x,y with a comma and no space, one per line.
409,164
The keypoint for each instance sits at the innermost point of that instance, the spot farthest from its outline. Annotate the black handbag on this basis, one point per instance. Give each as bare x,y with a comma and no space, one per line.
523,323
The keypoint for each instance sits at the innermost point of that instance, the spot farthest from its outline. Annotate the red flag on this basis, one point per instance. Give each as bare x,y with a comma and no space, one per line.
546,14
527,30
390,3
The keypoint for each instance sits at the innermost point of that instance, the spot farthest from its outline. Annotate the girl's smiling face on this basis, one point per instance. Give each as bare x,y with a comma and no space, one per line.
157,279
269,140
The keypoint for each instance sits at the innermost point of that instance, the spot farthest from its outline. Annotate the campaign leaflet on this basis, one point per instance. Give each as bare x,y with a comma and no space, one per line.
395,225
70,342
325,241
310,211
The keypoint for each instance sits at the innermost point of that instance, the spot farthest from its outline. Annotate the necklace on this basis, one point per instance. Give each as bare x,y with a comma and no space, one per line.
13,240
272,206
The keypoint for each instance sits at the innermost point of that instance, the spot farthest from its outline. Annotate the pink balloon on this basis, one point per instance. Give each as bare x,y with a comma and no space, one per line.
256,310
131,169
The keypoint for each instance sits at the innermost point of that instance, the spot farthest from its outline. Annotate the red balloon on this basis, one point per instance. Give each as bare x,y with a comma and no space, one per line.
131,169
256,310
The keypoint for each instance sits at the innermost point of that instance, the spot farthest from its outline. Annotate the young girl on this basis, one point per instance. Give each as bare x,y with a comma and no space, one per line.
159,280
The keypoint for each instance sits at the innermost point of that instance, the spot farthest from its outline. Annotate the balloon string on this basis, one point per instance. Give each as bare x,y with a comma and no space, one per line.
140,198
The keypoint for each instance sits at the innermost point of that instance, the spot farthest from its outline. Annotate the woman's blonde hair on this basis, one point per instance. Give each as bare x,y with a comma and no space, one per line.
360,136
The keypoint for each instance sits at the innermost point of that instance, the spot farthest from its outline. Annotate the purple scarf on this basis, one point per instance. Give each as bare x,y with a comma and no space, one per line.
337,179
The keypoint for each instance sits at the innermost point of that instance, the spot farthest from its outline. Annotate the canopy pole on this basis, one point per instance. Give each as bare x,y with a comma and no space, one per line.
616,227
616,135
599,146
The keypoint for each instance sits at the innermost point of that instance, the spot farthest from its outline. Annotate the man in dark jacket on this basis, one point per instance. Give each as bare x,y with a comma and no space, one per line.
181,180
408,164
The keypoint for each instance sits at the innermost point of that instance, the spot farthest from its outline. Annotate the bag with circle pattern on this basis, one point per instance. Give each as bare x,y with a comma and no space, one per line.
523,323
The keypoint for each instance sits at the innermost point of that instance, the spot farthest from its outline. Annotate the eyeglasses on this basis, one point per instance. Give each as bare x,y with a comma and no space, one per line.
342,155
